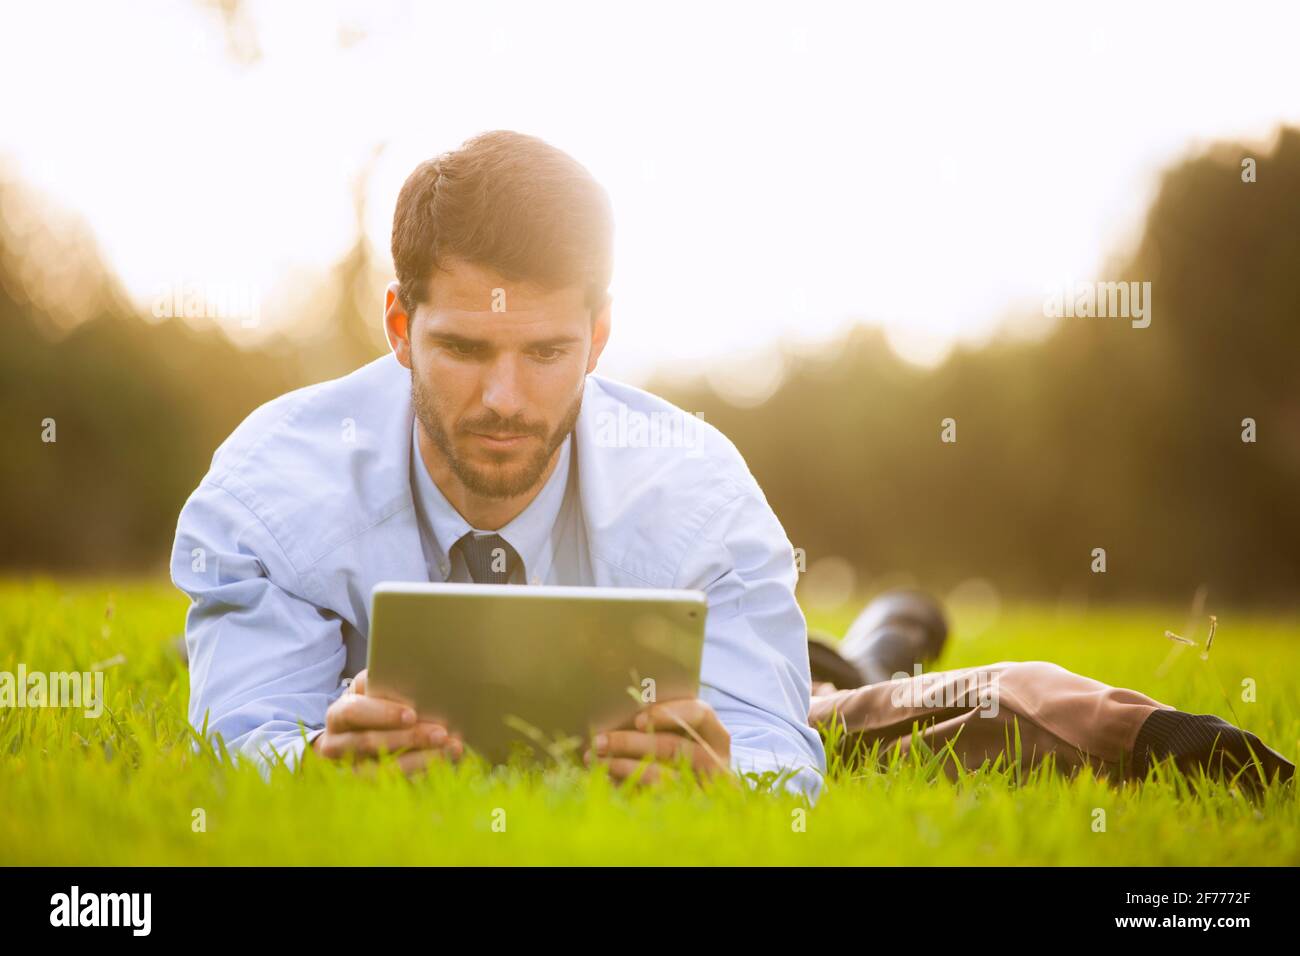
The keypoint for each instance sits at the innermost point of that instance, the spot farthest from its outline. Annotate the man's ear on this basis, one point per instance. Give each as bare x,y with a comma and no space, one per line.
397,324
599,334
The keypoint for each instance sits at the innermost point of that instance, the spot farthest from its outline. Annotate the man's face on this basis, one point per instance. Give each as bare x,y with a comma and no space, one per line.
498,390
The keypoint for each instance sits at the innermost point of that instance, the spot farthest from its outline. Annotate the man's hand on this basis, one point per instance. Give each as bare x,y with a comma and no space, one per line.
666,732
358,727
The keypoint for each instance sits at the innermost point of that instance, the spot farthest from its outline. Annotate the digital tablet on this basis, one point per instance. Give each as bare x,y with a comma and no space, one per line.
533,670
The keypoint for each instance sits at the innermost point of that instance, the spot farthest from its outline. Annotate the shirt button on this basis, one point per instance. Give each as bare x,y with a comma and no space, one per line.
536,581
443,569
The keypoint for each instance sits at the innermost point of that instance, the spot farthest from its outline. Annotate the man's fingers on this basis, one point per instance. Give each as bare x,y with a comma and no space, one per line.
358,712
669,731
662,746
632,743
666,715
701,721
369,743
358,685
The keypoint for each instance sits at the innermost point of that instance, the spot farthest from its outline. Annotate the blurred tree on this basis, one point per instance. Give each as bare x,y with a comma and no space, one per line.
1103,435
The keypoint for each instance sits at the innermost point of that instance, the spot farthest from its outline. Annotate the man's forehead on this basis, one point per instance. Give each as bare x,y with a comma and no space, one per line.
467,287
522,326
469,300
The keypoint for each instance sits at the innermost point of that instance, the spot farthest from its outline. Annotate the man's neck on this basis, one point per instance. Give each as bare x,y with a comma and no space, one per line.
487,514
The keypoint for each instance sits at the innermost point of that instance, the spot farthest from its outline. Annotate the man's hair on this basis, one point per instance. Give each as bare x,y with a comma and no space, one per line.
509,202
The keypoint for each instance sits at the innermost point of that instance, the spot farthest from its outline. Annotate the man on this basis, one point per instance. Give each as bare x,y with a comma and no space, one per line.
485,448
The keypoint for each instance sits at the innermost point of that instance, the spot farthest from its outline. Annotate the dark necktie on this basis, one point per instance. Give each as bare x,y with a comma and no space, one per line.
490,558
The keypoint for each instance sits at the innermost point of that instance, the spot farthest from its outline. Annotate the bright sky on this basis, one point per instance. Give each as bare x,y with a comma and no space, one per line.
777,170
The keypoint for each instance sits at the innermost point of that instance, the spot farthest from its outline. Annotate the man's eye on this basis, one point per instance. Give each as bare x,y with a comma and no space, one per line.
548,353
461,348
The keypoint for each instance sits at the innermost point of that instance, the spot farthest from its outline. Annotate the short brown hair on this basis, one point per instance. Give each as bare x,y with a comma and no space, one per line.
509,202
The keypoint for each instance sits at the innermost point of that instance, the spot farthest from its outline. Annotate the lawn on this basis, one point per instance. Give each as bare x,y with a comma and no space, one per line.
127,788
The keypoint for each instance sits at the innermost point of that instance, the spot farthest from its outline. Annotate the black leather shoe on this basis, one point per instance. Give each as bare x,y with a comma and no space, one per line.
895,632
827,665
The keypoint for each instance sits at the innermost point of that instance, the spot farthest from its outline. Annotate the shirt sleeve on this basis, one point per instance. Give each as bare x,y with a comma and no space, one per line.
262,658
754,672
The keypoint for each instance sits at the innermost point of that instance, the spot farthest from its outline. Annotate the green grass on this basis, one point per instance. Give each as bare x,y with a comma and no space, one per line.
123,789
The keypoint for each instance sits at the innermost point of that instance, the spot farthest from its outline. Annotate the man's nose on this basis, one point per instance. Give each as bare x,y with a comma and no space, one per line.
501,391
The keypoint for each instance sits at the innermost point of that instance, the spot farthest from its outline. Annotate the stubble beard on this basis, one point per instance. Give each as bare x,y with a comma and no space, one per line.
506,480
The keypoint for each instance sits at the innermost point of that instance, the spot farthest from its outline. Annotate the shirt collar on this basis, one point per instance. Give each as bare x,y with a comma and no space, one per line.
529,532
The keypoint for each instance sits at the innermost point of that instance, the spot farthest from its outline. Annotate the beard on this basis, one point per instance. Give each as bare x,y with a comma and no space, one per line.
509,479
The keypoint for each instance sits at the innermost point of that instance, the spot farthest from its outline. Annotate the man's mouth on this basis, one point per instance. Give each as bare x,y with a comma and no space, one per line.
500,441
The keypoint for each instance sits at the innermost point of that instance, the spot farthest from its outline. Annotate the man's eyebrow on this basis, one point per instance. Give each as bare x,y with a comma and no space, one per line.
553,341
451,338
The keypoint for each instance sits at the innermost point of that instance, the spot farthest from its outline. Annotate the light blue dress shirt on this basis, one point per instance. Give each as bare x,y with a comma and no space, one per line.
317,496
